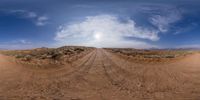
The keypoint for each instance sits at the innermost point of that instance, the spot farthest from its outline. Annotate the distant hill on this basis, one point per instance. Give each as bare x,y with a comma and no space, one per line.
3,49
174,48
190,48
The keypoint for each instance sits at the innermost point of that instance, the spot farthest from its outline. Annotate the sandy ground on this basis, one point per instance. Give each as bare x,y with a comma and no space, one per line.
101,76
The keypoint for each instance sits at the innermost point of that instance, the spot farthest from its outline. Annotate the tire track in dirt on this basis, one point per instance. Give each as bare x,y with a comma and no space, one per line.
117,76
82,71
79,68
99,76
48,87
156,79
70,80
54,73
97,83
166,81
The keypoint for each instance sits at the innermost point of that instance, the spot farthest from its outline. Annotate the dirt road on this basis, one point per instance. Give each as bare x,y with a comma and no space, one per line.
101,76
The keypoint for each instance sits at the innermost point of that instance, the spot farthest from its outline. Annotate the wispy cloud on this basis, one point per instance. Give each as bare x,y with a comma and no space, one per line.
83,6
42,20
187,28
164,18
39,20
105,31
22,41
17,44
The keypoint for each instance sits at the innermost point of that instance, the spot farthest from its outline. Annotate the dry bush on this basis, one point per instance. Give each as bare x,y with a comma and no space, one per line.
45,56
149,55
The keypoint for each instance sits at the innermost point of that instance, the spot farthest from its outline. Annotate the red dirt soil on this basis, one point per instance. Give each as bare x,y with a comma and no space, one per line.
101,75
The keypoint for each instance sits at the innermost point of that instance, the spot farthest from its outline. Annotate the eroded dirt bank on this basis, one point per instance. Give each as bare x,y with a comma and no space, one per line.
101,76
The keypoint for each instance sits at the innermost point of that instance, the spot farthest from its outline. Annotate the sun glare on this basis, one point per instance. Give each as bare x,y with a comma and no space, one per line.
97,36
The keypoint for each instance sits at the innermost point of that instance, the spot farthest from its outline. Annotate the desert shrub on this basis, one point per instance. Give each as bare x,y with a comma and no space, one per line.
78,50
68,52
152,56
56,56
53,55
44,56
27,58
169,56
19,56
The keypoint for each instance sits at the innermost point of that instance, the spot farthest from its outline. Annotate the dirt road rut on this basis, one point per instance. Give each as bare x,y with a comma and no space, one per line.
101,75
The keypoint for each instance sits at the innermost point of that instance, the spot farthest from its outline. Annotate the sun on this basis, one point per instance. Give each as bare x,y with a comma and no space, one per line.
97,36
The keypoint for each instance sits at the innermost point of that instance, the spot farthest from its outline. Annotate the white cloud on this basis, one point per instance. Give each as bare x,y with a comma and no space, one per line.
163,22
33,16
24,41
19,41
110,31
42,20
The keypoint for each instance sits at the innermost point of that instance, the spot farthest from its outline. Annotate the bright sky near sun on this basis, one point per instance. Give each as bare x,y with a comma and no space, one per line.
100,23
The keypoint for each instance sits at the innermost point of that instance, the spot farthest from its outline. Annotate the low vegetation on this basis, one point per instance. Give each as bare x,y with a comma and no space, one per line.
49,56
139,55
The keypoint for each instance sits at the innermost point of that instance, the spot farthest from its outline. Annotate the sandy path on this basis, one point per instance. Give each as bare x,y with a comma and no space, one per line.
101,76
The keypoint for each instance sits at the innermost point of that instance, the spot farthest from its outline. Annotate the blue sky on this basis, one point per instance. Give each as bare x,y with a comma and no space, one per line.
28,24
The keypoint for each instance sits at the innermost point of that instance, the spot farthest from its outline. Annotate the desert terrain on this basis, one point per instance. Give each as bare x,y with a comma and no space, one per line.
86,73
